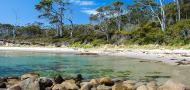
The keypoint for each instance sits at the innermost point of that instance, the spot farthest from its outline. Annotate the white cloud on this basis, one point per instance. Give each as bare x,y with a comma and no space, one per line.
83,3
89,11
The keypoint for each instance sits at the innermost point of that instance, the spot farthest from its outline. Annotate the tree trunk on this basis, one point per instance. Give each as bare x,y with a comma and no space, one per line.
163,20
107,37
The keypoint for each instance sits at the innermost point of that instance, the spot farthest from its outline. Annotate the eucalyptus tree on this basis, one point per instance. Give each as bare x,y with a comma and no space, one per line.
118,10
54,10
178,9
103,19
155,9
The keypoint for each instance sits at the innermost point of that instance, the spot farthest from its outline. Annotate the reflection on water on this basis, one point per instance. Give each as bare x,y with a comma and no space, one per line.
47,64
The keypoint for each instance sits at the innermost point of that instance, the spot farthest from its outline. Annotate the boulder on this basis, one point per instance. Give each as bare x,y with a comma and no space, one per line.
12,80
171,85
129,85
78,79
152,85
94,82
27,84
70,85
86,86
58,87
3,85
2,79
45,82
103,87
142,87
58,79
15,87
117,86
106,81
29,75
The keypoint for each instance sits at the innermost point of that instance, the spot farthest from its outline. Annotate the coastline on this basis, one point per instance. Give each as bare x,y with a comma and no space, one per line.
170,56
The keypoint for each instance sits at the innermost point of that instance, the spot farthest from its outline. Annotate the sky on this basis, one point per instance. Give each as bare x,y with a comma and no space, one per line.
22,12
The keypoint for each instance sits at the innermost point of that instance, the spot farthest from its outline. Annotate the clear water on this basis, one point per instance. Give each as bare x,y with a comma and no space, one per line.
50,64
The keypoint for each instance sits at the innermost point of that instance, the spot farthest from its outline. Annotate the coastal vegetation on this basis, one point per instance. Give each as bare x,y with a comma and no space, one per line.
143,22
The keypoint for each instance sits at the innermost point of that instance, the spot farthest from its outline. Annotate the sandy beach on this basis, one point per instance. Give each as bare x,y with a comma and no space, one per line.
164,55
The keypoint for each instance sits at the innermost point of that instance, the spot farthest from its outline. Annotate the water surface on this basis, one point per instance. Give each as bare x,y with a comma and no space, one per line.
50,64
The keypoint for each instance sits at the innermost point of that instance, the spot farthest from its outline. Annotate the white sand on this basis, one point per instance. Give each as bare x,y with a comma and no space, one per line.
164,55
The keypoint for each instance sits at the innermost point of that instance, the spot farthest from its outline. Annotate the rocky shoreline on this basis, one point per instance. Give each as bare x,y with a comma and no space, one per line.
33,81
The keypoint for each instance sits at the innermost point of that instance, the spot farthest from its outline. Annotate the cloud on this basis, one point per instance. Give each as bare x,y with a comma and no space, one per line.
88,11
83,3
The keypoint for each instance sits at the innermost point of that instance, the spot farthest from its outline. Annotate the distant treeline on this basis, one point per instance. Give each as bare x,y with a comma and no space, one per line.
143,22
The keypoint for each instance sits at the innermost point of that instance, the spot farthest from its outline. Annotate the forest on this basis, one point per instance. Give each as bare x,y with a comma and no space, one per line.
144,22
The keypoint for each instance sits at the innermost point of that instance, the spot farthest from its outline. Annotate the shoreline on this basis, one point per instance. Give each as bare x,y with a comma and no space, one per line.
170,56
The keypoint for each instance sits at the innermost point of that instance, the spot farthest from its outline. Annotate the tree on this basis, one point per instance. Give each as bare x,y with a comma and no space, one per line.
156,10
103,19
54,11
117,9
178,9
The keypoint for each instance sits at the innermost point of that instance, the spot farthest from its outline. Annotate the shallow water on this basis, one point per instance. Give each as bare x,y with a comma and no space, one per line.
50,64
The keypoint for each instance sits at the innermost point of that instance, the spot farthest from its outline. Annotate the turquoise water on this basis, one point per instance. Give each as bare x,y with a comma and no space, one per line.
50,64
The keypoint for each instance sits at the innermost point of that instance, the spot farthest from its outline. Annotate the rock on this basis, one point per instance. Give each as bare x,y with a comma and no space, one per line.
94,88
129,85
3,85
58,87
171,85
106,81
183,62
45,82
86,86
2,79
58,79
116,80
12,80
143,87
152,85
103,87
78,79
117,86
94,82
29,75
70,85
83,83
15,87
27,84
30,84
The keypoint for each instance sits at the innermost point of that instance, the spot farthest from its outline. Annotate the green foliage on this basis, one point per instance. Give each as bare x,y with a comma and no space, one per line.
147,34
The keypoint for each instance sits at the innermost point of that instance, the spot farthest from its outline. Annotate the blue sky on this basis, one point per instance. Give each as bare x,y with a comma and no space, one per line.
26,13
